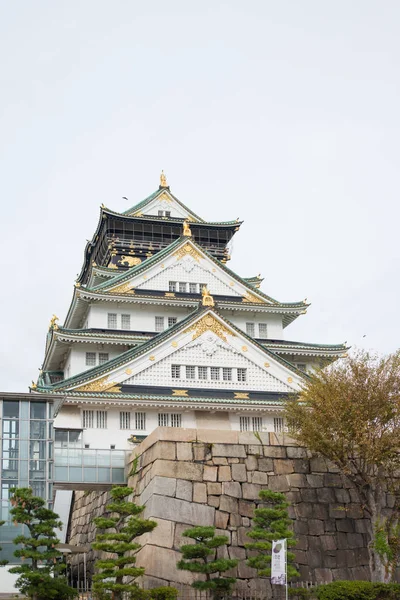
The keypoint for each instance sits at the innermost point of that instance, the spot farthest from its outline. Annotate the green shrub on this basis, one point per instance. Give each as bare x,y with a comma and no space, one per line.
358,590
163,593
300,593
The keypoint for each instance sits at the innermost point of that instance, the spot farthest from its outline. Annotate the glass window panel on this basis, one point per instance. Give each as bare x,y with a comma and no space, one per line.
9,469
75,474
175,371
89,457
90,359
227,374
171,321
104,457
112,320
61,473
118,458
242,374
182,287
172,286
118,475
10,428
193,288
126,321
75,437
37,468
6,486
38,430
262,330
202,372
159,324
37,450
61,438
38,410
103,358
215,373
10,409
90,474
190,372
104,475
250,329
39,488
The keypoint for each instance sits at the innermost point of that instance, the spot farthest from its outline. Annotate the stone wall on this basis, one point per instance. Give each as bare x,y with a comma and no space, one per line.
188,477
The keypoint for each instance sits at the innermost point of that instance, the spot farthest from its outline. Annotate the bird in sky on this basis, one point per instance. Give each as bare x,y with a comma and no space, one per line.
124,198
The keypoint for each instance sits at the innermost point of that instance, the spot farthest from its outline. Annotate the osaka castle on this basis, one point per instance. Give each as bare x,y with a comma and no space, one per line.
161,332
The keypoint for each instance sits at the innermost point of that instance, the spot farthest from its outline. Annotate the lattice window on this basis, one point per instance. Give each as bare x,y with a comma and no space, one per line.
103,358
88,419
279,424
193,288
202,372
175,371
125,321
163,419
215,373
112,320
176,420
172,286
171,321
101,419
227,374
90,359
257,423
244,423
242,374
124,420
182,287
167,213
250,329
159,324
140,421
262,330
160,213
190,372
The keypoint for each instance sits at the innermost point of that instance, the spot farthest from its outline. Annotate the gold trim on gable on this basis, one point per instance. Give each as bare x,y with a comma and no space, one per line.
188,250
210,323
241,395
100,385
251,298
123,288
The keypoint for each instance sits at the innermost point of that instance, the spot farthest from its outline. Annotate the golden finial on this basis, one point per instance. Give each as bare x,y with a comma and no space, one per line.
34,385
77,284
207,300
53,324
186,229
163,180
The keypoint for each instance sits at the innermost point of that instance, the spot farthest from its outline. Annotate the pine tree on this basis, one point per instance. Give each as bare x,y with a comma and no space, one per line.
271,523
201,558
2,562
119,531
39,578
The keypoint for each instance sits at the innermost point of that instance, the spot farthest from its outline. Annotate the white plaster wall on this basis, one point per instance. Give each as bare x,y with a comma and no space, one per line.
160,204
142,316
8,581
77,356
274,322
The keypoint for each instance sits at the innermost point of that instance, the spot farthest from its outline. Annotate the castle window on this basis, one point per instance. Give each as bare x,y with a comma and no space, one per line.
244,423
140,421
176,420
112,320
101,419
302,366
227,374
190,372
171,321
242,374
262,330
124,420
103,358
250,329
215,372
202,371
90,359
125,321
193,288
182,287
172,286
279,424
163,419
159,324
175,371
88,419
160,213
256,423
167,213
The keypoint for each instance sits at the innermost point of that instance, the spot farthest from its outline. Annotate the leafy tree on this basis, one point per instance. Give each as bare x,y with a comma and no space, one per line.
119,531
39,578
201,557
271,522
350,414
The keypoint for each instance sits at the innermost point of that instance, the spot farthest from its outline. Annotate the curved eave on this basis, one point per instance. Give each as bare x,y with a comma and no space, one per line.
86,336
173,220
90,245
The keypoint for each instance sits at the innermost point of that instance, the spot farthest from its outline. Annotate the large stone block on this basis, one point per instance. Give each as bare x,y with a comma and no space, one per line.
246,509
251,463
278,483
258,477
217,436
214,501
214,488
224,473
184,490
161,563
184,451
164,486
229,450
202,451
266,465
251,491
221,519
232,488
228,504
162,535
200,492
210,473
173,509
179,470
239,472
283,467
166,450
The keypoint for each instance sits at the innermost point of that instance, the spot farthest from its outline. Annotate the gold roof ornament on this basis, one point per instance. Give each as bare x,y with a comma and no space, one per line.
34,385
207,300
187,232
53,322
163,180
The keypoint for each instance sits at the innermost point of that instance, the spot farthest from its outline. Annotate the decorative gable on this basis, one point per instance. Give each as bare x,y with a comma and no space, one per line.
165,205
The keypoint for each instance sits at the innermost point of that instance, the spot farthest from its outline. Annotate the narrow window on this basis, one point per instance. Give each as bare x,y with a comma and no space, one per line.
140,421
256,423
193,288
172,286
244,423
202,371
250,329
159,324
182,287
112,320
103,357
171,321
125,321
279,424
175,371
176,420
87,419
163,419
215,372
124,420
190,372
167,213
90,359
242,374
262,330
160,213
227,374
101,419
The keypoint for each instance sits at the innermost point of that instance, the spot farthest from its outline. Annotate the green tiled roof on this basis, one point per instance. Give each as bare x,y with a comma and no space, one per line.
154,195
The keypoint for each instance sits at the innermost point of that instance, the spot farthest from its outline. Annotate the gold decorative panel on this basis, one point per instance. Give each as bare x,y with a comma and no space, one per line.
100,385
241,395
123,288
251,298
187,250
180,393
209,323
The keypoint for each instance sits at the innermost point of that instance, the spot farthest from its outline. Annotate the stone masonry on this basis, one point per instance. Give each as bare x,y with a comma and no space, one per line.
188,477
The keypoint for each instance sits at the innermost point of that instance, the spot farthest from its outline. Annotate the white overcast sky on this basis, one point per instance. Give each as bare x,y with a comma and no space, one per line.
284,113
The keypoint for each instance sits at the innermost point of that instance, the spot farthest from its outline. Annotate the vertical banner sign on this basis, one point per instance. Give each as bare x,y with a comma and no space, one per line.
278,562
